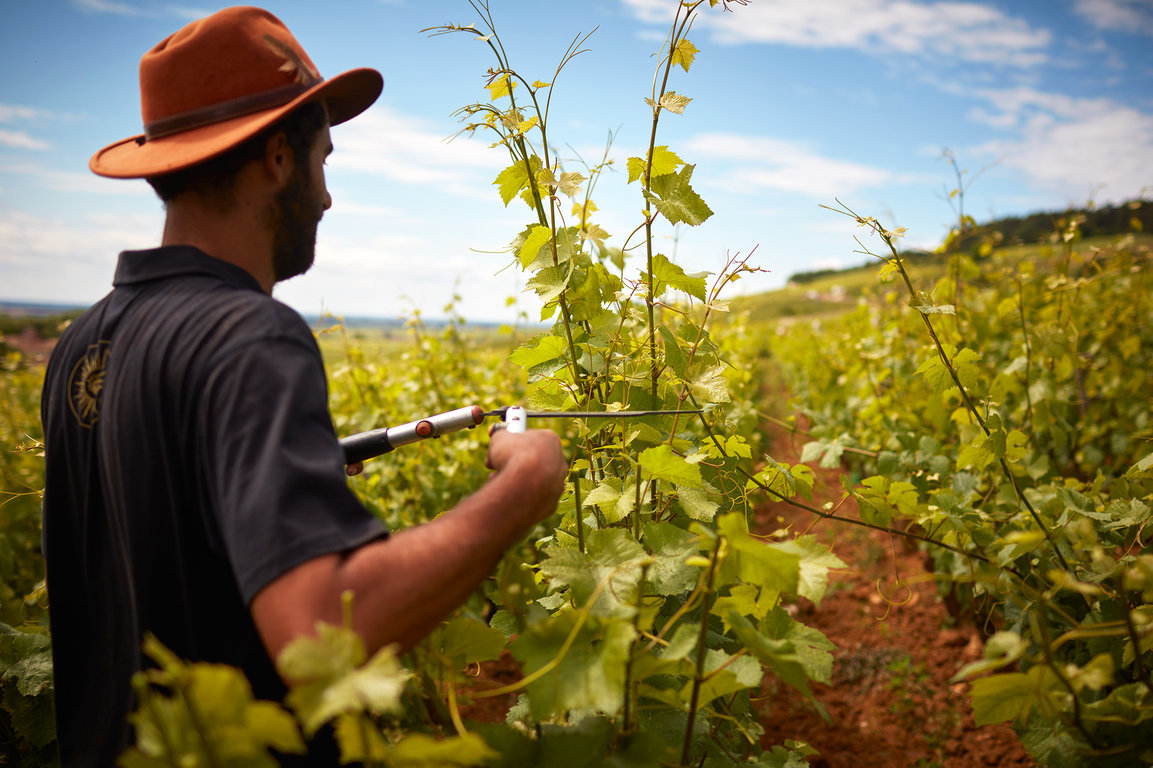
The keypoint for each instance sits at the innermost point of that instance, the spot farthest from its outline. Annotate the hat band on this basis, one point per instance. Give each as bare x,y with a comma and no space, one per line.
216,113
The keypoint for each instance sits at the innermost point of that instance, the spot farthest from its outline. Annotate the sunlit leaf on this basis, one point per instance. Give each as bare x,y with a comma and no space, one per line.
663,464
683,53
673,196
537,238
674,102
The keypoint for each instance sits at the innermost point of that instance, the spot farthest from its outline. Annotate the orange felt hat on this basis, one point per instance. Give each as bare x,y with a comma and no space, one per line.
219,81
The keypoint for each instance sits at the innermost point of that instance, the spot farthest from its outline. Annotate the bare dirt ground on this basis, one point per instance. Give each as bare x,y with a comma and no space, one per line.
890,701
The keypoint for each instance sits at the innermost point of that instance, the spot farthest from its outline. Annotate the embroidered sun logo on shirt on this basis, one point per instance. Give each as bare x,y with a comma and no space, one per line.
294,64
86,383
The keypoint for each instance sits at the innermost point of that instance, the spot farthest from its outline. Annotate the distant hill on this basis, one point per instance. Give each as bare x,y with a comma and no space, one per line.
34,309
1132,216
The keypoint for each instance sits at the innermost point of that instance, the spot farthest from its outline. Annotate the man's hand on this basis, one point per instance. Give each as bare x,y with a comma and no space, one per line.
535,459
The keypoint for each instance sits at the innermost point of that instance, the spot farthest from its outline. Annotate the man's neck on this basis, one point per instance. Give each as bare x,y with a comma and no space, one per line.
238,236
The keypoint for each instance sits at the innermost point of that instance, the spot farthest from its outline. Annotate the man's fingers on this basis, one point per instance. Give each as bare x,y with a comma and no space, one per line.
352,470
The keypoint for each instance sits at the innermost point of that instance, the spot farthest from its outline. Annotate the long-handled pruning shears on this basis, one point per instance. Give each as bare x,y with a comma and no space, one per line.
376,442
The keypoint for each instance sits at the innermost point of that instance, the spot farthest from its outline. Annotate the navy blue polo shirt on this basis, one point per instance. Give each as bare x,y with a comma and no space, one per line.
190,460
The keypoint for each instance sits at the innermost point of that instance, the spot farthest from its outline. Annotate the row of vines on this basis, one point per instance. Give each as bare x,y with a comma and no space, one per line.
1003,418
1001,421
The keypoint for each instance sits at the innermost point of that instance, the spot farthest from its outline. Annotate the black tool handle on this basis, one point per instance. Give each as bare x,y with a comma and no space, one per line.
366,445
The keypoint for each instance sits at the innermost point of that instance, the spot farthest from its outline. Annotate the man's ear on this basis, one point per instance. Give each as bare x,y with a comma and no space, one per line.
278,158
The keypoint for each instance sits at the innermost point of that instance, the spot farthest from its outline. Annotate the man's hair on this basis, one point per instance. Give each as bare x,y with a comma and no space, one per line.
215,179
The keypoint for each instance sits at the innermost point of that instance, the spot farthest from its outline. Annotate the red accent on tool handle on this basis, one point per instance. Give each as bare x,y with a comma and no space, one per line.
424,429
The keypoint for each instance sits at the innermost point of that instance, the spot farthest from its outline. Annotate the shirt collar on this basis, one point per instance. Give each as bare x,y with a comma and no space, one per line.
170,261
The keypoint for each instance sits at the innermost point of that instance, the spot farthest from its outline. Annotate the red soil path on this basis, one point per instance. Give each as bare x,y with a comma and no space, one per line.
890,700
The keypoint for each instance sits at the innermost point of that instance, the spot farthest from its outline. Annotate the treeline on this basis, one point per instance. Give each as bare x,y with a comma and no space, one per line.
1132,216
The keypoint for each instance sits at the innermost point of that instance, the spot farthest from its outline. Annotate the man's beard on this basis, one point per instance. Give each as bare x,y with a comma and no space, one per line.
294,215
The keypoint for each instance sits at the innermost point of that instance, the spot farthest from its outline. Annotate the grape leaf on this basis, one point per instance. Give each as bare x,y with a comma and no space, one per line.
684,53
662,463
673,196
537,238
667,274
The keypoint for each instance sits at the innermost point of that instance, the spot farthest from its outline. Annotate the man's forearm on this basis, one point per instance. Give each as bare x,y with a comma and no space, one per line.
404,585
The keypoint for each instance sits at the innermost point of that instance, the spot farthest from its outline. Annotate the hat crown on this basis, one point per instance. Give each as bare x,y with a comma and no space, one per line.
228,57
220,81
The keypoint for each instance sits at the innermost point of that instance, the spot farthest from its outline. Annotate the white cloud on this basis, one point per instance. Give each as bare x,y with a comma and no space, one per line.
68,181
67,260
11,113
104,6
363,209
128,9
968,31
1015,101
1125,15
21,140
411,150
767,163
984,117
1077,148
389,274
29,238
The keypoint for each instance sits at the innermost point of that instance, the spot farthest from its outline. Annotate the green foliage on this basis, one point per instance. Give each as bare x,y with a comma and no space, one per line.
21,481
204,714
1011,435
27,729
651,613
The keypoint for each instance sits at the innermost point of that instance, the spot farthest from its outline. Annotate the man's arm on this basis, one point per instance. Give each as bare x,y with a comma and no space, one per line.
404,585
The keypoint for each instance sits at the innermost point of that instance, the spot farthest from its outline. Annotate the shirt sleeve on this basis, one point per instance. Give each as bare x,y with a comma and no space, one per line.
279,492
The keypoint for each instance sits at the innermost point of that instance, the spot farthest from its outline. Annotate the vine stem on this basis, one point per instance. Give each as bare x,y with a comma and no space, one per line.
1041,627
630,684
674,35
576,489
702,650
1139,665
454,710
887,237
1028,354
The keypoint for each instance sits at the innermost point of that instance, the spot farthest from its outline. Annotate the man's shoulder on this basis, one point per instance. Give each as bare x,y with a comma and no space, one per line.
254,311
247,316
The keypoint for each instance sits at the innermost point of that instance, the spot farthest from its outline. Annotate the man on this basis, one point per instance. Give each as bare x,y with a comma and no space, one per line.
195,488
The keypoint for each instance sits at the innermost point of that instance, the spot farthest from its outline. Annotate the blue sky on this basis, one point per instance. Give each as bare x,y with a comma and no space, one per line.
1044,103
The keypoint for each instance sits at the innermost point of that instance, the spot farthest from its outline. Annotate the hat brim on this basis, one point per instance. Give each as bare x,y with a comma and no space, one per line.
346,96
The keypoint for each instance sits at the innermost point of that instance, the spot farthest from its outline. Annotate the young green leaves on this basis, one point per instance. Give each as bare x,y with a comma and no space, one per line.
668,189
